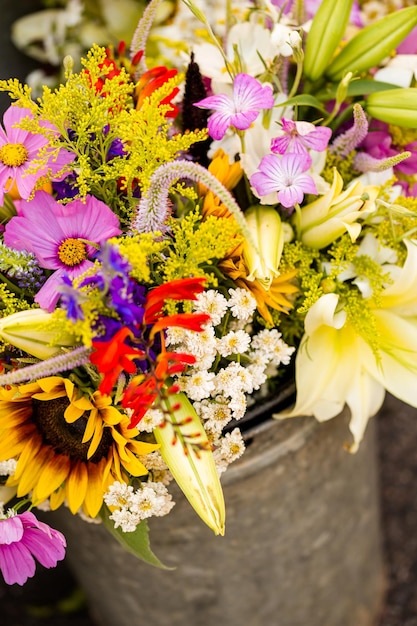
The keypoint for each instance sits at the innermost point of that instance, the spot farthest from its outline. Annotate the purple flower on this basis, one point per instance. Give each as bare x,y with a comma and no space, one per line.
18,149
249,97
284,175
57,235
299,137
23,539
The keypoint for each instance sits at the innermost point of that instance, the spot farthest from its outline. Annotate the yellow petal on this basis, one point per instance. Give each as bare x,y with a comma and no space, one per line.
76,486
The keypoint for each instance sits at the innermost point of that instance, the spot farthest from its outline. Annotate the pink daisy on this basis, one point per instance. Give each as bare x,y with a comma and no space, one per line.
56,234
249,97
284,175
18,149
299,137
23,538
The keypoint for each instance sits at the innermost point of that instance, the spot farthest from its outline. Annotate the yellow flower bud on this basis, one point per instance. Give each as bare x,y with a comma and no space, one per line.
373,43
262,259
186,450
394,106
326,32
336,212
31,332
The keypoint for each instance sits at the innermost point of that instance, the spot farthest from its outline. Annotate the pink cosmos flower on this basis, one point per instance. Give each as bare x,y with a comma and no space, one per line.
56,234
299,137
18,148
23,538
249,97
285,175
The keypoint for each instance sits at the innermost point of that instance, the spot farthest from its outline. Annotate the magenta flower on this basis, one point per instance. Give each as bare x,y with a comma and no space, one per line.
23,538
57,235
299,137
18,148
284,175
249,97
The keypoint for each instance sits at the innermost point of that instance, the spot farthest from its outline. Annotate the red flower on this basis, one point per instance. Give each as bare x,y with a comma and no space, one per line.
143,390
181,289
152,80
113,357
191,321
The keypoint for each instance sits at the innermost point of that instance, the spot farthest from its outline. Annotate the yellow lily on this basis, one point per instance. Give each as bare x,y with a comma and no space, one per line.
262,259
336,212
31,332
186,450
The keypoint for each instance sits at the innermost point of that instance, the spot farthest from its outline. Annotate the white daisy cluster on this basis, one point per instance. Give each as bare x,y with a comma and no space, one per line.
231,361
8,468
130,506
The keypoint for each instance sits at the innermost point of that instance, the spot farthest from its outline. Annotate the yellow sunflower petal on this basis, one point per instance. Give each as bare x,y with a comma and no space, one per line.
11,442
53,475
30,450
31,471
94,496
76,486
95,441
93,424
57,498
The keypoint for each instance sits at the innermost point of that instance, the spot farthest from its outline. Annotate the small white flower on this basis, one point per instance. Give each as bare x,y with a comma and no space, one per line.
151,419
238,405
241,303
198,385
175,335
212,303
227,380
231,448
266,341
257,373
8,468
233,343
127,520
119,495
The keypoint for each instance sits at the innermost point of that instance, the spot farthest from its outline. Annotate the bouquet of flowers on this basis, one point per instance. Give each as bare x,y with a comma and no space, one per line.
183,232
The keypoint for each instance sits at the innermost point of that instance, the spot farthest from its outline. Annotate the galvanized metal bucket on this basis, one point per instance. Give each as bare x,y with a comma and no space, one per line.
302,542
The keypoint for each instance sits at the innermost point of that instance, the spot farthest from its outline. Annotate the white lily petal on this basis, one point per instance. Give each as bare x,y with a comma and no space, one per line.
364,399
193,470
397,368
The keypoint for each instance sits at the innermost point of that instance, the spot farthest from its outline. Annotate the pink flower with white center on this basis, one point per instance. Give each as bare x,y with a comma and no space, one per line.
18,149
240,111
299,137
23,538
57,235
284,175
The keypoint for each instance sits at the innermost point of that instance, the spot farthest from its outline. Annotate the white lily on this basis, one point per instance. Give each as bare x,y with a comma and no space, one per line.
31,331
336,366
336,212
185,449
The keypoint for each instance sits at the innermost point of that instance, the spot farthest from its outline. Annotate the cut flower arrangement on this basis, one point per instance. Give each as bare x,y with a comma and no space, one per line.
178,239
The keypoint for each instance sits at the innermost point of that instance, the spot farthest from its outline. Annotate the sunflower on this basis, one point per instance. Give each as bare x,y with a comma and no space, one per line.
68,445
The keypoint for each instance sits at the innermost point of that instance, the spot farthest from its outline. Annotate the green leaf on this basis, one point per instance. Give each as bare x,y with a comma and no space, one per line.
137,543
304,99
360,87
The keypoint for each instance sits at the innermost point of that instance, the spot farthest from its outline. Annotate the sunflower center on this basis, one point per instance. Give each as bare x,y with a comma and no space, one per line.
72,251
13,154
66,438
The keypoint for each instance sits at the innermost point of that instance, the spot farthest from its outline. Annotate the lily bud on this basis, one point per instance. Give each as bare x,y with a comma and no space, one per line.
394,106
186,450
262,259
336,212
326,32
31,332
373,43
